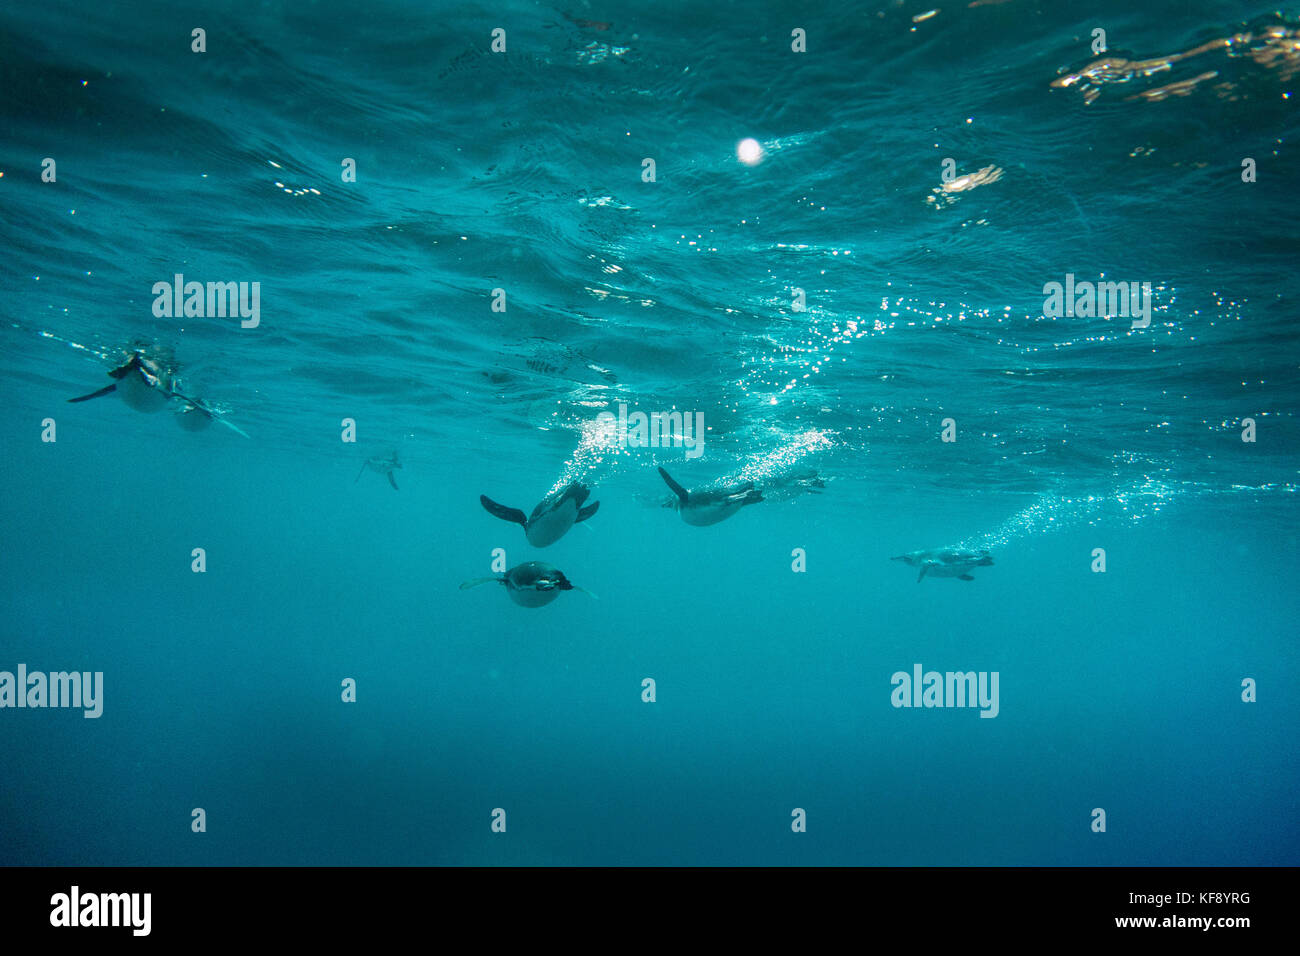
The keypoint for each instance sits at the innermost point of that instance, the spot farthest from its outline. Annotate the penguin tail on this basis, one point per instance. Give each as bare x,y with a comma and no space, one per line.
502,512
588,511
103,391
677,489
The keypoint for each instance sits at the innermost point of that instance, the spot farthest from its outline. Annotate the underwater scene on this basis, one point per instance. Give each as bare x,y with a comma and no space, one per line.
685,434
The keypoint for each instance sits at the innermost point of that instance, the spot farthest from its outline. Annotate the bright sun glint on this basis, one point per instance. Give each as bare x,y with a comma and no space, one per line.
749,152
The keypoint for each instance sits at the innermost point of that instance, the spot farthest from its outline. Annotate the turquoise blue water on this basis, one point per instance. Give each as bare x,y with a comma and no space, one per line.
523,171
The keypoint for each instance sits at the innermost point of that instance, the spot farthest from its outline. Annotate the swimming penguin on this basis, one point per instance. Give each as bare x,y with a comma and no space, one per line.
531,584
948,563
702,508
142,383
552,518
384,466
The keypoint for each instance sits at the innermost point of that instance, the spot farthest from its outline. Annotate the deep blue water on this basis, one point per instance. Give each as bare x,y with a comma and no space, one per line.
522,171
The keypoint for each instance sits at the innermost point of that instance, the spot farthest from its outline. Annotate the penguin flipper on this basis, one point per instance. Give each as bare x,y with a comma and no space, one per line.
681,492
103,391
393,481
475,582
132,363
588,511
361,472
502,512
965,577
578,492
924,568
